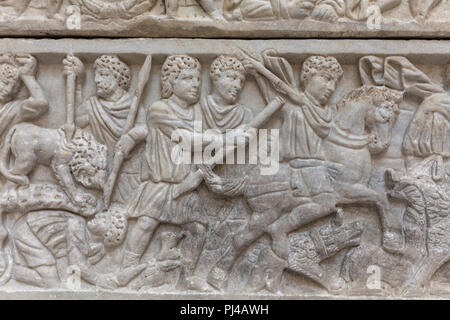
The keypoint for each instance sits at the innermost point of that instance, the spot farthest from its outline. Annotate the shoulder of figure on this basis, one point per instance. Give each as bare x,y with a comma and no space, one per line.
158,106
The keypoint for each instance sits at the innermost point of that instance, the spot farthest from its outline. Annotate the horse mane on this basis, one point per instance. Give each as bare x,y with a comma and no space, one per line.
377,93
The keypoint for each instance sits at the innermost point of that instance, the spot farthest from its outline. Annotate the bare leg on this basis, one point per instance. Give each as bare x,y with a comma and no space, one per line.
322,206
138,240
25,166
392,226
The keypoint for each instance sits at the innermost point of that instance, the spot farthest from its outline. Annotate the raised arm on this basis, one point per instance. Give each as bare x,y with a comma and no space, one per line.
295,95
36,105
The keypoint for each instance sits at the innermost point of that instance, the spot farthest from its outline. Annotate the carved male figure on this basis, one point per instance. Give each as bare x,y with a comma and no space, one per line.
323,10
154,202
306,120
48,241
16,69
305,124
53,6
220,109
171,8
105,114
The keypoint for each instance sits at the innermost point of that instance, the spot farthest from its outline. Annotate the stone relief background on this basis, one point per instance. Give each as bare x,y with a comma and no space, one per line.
226,18
340,253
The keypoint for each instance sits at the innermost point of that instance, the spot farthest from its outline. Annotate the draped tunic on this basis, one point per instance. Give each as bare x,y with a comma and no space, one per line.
302,131
107,120
160,172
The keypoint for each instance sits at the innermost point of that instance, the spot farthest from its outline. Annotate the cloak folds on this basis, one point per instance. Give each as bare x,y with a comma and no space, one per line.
161,174
304,126
107,118
220,117
429,131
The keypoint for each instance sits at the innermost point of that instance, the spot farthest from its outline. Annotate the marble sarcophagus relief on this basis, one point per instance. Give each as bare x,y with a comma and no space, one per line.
226,18
278,168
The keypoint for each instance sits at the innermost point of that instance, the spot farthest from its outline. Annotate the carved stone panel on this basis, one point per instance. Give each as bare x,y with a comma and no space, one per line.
226,18
175,168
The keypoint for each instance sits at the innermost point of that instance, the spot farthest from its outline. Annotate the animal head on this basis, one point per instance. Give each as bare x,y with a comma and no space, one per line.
111,225
426,179
336,238
88,164
381,110
405,188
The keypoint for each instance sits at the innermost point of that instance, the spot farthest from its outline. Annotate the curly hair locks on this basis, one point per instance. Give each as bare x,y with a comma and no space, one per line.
316,65
171,69
223,63
116,226
119,69
88,163
9,69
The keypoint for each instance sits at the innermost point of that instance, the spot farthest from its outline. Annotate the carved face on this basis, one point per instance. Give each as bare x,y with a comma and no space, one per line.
187,85
92,178
384,112
321,87
7,89
99,225
110,226
106,83
229,85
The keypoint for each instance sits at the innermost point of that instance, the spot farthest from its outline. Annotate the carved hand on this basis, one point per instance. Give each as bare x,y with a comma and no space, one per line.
299,98
84,199
28,64
249,67
124,145
73,65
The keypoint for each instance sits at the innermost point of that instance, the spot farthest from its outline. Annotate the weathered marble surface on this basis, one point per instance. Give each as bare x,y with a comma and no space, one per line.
358,205
226,18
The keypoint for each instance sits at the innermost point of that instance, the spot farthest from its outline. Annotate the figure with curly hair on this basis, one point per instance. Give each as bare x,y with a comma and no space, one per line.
105,114
15,70
154,202
306,121
48,241
219,108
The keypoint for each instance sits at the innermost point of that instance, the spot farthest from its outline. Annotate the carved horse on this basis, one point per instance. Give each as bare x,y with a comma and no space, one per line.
363,127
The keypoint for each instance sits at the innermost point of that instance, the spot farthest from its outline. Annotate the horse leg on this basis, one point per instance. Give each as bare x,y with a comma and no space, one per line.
255,228
392,226
323,205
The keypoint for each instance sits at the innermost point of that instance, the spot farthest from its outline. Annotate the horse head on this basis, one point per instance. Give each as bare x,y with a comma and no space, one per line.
375,110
